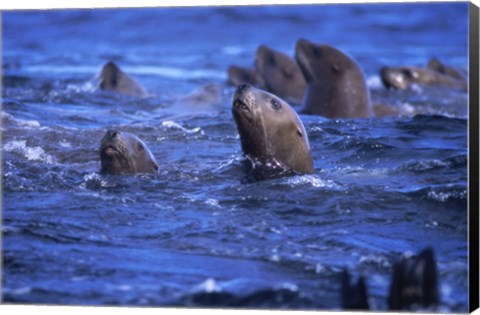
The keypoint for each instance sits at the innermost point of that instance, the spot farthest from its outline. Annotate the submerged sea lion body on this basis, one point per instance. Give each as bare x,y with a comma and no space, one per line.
112,78
404,77
125,153
435,65
336,85
206,99
272,135
279,74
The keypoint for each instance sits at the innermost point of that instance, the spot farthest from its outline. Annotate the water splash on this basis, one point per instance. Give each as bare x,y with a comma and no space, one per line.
31,153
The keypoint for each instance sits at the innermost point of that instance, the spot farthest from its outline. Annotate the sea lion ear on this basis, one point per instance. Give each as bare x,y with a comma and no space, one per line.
287,72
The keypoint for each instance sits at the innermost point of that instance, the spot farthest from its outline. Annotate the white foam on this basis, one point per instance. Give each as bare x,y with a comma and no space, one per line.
374,82
417,88
230,161
31,153
289,286
407,108
208,286
232,50
64,143
376,260
313,180
445,196
6,229
174,125
29,124
88,86
212,202
97,180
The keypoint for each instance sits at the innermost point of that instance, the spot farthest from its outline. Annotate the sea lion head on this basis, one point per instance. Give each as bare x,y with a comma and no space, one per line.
436,65
271,133
109,76
404,77
400,78
124,153
112,78
336,85
279,74
319,60
238,75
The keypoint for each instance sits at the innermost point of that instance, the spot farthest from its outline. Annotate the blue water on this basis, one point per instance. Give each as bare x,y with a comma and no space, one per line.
196,234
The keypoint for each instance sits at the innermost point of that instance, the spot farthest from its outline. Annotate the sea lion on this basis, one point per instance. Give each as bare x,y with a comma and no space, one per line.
279,74
404,77
354,295
272,136
206,99
336,85
112,78
435,65
125,153
414,282
238,75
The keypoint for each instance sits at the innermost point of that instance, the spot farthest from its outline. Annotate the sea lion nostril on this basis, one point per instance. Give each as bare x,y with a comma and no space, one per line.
112,133
243,86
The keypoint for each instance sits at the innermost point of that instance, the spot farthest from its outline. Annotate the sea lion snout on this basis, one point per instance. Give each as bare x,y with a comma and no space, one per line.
240,98
112,134
385,77
110,143
398,78
242,88
302,42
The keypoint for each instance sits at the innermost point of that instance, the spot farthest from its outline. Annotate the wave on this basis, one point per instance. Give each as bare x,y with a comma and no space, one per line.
167,72
31,153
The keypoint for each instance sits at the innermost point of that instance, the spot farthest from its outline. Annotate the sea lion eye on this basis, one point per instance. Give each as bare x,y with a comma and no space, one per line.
316,51
276,104
140,147
271,60
287,73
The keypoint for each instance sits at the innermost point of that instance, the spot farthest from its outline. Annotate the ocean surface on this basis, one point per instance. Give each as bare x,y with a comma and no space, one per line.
197,234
